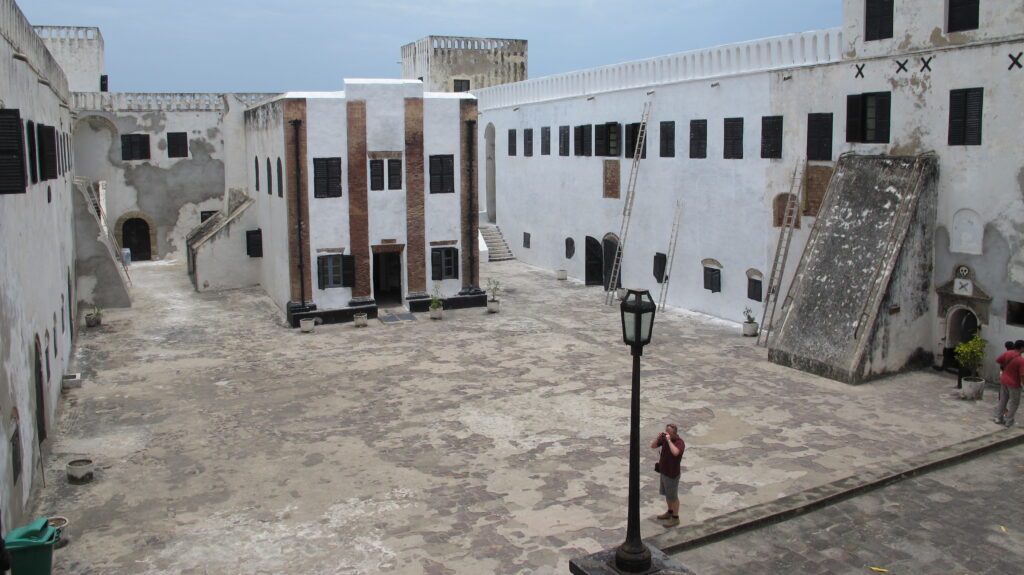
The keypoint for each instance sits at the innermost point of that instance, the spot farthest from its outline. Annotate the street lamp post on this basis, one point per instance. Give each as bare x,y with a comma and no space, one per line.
637,311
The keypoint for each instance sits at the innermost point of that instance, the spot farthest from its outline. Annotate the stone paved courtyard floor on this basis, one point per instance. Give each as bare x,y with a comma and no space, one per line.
482,443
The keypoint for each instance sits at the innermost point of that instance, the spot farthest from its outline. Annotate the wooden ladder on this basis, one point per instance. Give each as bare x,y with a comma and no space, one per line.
627,207
789,220
670,256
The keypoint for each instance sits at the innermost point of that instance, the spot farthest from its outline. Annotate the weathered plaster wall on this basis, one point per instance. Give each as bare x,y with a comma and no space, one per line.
37,294
79,51
171,191
440,60
221,261
99,279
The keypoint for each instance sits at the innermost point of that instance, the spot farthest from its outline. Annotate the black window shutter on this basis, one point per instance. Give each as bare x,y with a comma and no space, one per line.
49,153
270,179
563,140
771,137
511,142
819,137
878,19
698,139
577,140
963,15
882,104
972,122
12,153
614,138
528,142
453,253
255,170
348,271
545,141
33,163
177,145
713,279
733,139
280,179
319,177
394,174
321,272
600,140
660,260
254,243
587,140
668,139
436,265
376,174
754,290
854,124
435,174
957,117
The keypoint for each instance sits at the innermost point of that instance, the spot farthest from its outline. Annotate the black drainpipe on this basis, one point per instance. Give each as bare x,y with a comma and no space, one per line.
298,210
470,152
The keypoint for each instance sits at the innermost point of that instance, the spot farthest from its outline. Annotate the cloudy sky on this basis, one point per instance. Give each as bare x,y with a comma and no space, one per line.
278,45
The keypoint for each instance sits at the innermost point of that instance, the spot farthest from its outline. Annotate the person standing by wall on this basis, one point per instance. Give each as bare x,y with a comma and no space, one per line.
1012,365
668,466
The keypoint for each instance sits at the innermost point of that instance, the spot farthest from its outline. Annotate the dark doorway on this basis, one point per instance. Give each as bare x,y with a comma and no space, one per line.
961,326
611,245
387,277
135,236
594,266
40,393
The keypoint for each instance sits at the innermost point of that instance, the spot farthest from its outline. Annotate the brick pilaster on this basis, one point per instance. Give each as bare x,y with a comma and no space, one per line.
295,109
415,228
358,215
470,220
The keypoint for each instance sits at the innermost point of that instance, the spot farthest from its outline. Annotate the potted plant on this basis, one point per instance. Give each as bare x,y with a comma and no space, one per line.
749,323
94,317
436,303
493,304
970,354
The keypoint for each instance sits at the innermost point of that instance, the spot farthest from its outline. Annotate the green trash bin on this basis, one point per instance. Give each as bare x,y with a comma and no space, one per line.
31,548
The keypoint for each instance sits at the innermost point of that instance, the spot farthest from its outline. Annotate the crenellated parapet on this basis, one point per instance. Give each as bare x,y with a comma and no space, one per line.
165,102
780,52
30,48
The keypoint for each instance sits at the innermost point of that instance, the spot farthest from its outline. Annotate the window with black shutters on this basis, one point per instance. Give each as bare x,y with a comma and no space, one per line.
442,174
206,214
461,85
15,452
335,270
660,261
771,137
754,288
632,135
965,107
570,248
33,151
177,144
511,142
668,140
280,179
819,137
878,19
698,139
526,239
545,141
48,151
963,15
12,153
733,145
255,171
1014,313
376,174
528,142
136,147
582,137
712,279
254,243
867,117
394,174
563,140
270,179
606,139
444,264
326,177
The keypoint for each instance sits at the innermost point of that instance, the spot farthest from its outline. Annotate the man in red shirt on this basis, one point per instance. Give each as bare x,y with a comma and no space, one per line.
1012,365
672,447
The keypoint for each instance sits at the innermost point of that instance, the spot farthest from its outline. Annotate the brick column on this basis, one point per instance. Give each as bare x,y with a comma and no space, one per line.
469,220
358,215
295,109
416,261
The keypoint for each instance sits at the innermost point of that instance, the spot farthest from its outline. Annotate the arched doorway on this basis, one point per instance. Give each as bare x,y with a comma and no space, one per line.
961,325
594,265
610,244
40,392
135,237
489,182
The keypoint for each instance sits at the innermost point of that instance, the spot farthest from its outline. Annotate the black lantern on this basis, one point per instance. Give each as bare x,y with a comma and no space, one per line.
637,319
637,323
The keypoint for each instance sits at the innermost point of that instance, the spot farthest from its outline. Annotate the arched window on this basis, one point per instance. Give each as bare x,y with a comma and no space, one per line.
280,179
570,248
256,171
270,185
755,285
712,275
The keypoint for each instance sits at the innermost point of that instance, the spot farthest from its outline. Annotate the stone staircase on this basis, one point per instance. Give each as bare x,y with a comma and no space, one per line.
497,249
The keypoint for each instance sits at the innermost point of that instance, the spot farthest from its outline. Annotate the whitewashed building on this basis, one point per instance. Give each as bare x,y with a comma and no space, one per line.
731,125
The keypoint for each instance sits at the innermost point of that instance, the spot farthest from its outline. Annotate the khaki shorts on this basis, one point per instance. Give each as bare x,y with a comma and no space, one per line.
669,487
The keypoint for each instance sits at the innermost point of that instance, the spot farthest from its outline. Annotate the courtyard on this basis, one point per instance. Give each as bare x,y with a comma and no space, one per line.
226,442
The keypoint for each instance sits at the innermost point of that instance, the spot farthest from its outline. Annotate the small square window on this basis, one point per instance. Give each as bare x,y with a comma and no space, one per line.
754,290
867,117
134,147
444,264
442,174
461,85
712,279
335,270
177,145
254,243
1014,313
206,214
963,15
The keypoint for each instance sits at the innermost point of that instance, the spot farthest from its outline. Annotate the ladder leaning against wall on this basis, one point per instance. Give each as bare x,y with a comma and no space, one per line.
627,207
789,219
670,256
